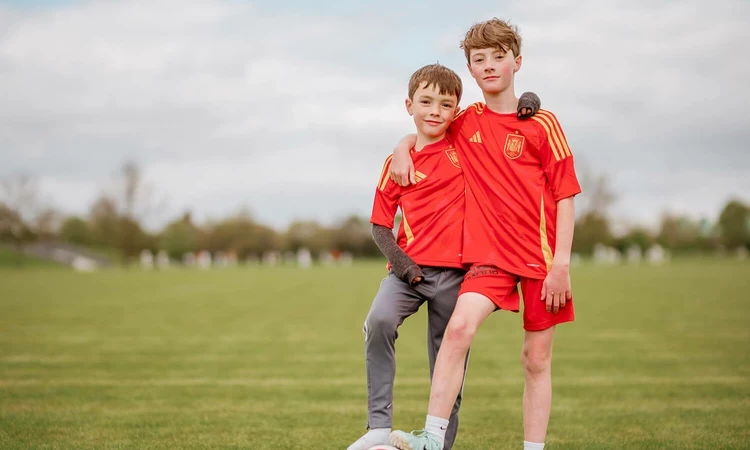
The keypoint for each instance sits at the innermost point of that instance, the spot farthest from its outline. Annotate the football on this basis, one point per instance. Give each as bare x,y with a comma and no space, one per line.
383,447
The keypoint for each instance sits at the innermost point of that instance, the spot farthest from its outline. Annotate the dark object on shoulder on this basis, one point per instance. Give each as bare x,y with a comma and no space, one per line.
528,105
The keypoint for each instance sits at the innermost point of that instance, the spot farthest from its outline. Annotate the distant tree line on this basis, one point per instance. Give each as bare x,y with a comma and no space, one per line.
677,233
114,222
238,233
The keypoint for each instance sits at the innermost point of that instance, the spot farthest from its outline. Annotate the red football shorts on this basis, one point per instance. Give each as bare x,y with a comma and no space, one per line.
501,288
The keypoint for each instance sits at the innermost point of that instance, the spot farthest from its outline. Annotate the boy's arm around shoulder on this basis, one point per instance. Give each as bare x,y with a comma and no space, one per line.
402,168
403,266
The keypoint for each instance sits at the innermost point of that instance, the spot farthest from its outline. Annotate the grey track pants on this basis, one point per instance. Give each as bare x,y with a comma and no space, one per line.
394,302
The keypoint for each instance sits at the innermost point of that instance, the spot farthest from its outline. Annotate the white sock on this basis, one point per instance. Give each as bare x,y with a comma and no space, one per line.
436,426
533,445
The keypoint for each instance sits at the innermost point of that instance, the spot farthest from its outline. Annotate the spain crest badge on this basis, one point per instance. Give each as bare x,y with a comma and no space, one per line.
513,145
453,157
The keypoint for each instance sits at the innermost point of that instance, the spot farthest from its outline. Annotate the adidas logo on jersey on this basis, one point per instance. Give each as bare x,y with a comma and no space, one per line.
477,139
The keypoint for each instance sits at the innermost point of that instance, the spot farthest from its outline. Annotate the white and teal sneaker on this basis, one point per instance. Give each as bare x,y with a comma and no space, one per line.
416,440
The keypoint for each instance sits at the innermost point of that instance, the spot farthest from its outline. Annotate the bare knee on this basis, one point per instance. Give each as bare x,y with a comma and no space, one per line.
536,361
459,333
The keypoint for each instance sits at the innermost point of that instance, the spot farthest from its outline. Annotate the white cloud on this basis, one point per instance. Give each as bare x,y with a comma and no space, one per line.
196,90
227,104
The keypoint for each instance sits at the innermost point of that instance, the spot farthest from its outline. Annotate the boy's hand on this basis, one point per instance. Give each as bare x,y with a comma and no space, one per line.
413,275
402,169
556,289
528,105
402,166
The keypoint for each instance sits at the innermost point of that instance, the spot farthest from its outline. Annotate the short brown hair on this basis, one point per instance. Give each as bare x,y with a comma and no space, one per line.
442,77
494,33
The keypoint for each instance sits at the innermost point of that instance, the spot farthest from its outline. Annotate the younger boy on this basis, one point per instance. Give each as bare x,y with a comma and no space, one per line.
520,182
425,259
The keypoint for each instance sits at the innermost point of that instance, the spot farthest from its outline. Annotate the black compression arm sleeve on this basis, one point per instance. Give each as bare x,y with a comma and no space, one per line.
403,266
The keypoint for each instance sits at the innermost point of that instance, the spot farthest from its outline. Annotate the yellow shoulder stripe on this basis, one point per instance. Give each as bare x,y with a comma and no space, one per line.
384,175
478,107
555,136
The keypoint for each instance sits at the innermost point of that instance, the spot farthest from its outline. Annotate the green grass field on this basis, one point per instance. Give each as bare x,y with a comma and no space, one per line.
9,259
259,358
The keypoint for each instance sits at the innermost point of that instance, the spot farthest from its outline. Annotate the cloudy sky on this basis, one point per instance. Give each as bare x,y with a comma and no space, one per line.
289,108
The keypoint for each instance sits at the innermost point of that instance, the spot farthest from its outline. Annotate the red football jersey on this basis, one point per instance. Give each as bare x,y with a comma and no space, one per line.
516,171
432,210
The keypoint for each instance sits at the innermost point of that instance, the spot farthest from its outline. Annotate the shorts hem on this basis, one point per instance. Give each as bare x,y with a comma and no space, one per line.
498,306
546,325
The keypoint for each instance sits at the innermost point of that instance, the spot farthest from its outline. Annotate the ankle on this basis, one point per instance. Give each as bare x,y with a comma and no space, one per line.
436,426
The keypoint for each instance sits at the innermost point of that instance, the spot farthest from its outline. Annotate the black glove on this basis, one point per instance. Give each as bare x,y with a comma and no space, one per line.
528,105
